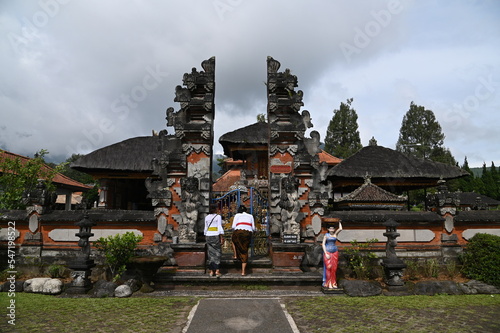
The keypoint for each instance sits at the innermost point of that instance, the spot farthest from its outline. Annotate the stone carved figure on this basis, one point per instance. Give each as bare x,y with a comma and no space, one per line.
189,209
289,204
39,196
158,193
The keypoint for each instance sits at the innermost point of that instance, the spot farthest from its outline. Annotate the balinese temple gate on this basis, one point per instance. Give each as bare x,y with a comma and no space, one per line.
181,191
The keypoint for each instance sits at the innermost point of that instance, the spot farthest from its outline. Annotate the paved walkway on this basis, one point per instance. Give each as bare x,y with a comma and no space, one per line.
240,315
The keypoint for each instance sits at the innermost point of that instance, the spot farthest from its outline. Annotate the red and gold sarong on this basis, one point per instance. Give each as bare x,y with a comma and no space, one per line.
241,240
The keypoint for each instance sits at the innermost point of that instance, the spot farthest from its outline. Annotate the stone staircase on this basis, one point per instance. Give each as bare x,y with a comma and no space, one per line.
259,272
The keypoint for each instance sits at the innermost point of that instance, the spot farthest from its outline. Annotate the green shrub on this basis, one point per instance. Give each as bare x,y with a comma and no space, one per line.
359,258
56,271
431,268
412,269
482,259
452,269
117,251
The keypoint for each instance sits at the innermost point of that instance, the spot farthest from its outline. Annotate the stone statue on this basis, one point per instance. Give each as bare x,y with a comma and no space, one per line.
189,209
290,206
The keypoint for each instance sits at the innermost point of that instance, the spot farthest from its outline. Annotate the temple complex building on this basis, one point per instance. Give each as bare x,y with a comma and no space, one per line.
161,187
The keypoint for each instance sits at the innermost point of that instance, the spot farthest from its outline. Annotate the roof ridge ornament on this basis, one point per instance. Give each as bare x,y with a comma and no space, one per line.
368,178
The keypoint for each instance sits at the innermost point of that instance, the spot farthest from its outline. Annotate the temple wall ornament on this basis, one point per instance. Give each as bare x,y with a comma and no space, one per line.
290,205
186,155
158,192
190,196
287,137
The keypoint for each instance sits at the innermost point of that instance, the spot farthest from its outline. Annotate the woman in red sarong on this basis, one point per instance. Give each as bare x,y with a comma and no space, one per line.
330,257
243,227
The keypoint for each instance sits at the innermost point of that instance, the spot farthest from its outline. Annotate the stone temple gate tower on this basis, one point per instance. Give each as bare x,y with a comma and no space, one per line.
181,194
298,191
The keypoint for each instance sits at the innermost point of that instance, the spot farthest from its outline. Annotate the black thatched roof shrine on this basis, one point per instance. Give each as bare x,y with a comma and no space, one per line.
370,196
390,168
472,217
245,138
471,198
133,154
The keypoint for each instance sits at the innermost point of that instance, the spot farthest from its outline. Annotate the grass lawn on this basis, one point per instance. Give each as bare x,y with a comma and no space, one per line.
443,313
41,313
466,313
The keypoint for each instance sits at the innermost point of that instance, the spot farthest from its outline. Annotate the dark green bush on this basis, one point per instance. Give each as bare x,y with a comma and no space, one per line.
482,259
118,250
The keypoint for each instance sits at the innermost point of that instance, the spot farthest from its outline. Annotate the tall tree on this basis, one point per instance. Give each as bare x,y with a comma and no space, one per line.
466,184
421,136
490,181
342,136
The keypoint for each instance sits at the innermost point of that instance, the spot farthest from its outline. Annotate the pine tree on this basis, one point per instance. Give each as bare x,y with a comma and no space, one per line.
495,177
490,181
466,184
342,136
421,136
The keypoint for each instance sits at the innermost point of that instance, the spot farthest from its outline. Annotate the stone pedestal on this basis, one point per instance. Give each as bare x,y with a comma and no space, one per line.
82,269
287,257
190,258
337,291
393,269
147,267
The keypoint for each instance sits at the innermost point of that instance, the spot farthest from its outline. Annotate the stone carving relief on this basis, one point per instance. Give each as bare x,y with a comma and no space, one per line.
190,196
290,205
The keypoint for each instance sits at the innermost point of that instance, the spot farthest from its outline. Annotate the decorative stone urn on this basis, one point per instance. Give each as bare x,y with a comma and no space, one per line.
147,267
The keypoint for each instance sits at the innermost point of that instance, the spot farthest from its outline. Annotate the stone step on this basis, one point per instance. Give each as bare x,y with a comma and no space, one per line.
164,280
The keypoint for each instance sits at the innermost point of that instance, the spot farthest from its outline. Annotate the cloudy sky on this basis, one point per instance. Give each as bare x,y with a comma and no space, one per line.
80,75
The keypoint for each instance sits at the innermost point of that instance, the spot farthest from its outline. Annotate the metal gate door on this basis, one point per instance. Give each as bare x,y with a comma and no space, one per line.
227,206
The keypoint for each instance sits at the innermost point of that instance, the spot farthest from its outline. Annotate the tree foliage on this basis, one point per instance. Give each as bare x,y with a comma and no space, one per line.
482,259
118,250
342,136
261,118
421,136
488,183
82,177
19,176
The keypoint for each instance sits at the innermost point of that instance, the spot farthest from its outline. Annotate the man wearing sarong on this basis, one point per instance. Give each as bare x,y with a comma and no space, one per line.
243,227
214,235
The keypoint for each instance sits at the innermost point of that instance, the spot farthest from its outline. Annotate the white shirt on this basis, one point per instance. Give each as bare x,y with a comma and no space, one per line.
213,225
243,221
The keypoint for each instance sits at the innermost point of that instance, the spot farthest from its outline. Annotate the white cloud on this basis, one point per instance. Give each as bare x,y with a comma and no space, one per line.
68,68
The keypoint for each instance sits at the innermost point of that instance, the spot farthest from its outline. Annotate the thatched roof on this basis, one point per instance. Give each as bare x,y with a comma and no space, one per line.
369,192
472,217
370,196
251,135
13,215
389,167
133,154
470,199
